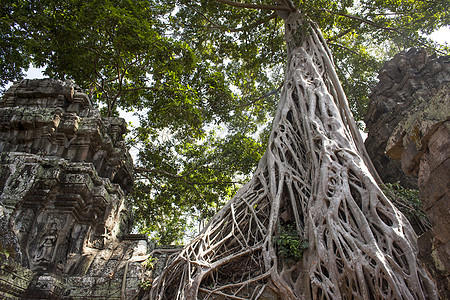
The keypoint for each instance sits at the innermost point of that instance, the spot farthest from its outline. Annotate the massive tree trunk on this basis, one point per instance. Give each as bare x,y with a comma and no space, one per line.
312,178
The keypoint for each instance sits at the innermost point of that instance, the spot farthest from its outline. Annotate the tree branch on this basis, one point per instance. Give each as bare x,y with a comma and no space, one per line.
255,6
344,47
289,4
273,92
360,20
371,23
257,23
262,21
338,36
147,88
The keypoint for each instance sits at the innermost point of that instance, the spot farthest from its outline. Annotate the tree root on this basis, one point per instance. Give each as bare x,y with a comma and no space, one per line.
313,177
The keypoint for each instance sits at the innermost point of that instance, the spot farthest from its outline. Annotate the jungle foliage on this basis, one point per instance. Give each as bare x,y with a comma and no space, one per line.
202,77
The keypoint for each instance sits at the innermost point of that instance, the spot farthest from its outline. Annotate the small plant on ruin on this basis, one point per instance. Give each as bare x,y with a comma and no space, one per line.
289,244
408,202
4,253
146,284
150,263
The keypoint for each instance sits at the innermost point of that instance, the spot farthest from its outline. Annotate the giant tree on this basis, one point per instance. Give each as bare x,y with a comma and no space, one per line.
244,49
189,69
312,222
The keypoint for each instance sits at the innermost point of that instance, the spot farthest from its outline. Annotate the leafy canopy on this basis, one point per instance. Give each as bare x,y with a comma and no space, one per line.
202,77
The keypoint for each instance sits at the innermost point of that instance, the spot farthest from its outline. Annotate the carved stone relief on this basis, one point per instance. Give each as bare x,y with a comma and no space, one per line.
65,174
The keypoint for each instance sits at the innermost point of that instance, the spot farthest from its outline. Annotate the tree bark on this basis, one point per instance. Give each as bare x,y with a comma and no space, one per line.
313,177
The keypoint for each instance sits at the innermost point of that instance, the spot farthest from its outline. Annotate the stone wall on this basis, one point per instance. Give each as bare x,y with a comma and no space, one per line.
407,80
420,142
65,173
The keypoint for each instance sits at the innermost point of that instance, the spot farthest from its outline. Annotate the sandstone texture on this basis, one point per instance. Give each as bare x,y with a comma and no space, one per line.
421,143
65,174
408,80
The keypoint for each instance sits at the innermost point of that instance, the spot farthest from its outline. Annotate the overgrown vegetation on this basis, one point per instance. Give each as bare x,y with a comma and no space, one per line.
408,202
313,177
149,265
290,245
4,253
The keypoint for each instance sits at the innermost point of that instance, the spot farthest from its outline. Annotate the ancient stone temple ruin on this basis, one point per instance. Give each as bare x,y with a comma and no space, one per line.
65,173
408,118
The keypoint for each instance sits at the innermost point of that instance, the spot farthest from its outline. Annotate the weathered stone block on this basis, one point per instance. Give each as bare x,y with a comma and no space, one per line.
438,145
422,141
393,98
435,185
440,212
67,213
14,279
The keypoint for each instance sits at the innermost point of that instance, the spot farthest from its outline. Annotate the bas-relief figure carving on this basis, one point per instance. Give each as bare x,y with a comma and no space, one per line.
65,174
44,252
